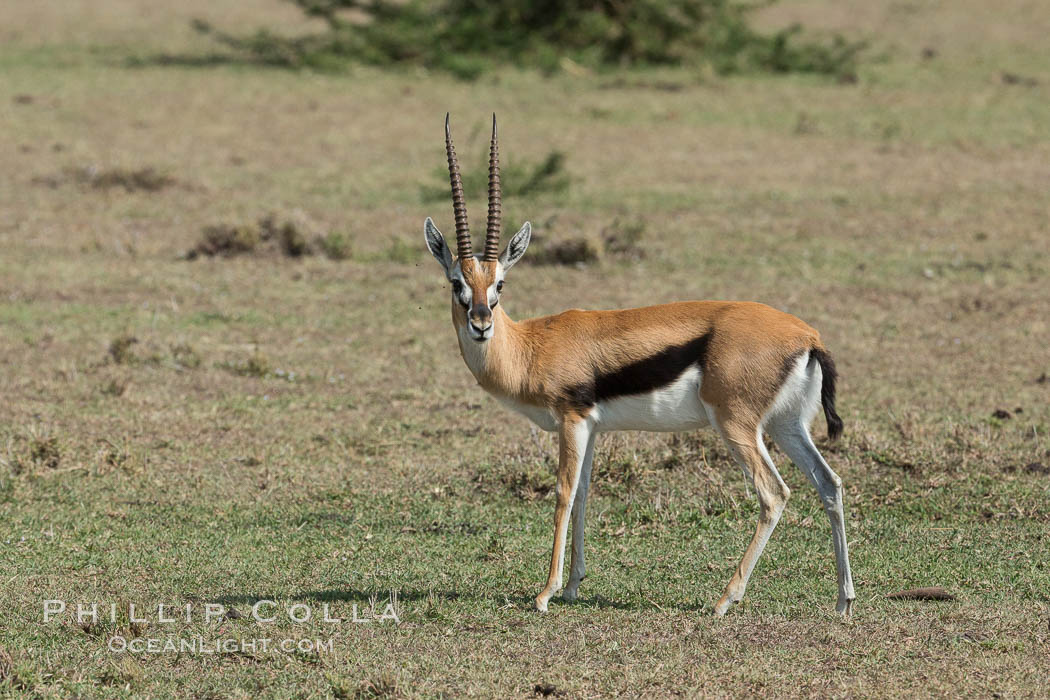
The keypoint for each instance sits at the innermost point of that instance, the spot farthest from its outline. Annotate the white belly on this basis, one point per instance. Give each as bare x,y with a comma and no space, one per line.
674,407
537,414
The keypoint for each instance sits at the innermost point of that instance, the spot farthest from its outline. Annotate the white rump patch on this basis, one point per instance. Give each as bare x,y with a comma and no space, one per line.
799,397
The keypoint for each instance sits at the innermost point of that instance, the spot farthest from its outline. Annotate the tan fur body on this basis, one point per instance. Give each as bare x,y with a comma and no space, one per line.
535,361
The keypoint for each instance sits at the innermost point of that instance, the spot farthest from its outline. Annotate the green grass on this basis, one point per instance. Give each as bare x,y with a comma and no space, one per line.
464,565
904,217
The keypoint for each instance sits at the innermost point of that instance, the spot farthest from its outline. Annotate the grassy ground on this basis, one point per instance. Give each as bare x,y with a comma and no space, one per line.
303,430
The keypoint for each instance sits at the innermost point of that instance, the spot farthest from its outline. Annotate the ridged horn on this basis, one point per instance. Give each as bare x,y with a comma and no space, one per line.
495,200
459,206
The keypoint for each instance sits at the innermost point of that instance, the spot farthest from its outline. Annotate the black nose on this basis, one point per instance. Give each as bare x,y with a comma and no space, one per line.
481,315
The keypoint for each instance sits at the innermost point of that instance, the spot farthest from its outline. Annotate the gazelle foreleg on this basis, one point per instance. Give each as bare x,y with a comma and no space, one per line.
577,567
573,436
745,444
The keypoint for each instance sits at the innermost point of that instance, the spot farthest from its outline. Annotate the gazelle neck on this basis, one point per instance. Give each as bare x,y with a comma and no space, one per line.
501,363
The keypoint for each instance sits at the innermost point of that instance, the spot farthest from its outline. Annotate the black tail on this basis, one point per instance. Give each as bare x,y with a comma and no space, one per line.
827,391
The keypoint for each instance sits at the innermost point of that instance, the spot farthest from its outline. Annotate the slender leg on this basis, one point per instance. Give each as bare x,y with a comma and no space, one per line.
577,567
574,435
796,442
745,443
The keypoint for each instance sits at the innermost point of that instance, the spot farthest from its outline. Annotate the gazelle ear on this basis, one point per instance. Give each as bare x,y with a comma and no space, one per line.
436,245
516,248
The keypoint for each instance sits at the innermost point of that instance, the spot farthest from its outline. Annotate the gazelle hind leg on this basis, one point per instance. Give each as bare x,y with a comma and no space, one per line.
793,437
577,566
745,444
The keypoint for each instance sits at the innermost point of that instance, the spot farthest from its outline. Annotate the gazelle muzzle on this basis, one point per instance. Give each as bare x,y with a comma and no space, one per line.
480,320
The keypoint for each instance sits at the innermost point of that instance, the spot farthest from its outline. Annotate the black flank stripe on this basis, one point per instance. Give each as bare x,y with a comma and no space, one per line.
642,376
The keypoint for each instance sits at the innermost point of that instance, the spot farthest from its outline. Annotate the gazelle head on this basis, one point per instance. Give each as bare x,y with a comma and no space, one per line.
476,282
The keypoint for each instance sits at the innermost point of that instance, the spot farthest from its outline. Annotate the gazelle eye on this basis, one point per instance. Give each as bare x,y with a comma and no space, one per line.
499,287
457,287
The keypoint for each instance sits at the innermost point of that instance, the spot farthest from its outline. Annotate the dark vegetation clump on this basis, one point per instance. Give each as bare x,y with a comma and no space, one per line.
546,176
1015,79
185,356
115,454
27,453
530,481
126,349
114,387
569,251
621,240
292,235
120,349
467,37
147,179
336,246
255,365
226,240
619,469
44,451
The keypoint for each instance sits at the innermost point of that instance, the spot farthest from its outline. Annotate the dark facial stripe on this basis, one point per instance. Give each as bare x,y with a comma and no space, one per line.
643,376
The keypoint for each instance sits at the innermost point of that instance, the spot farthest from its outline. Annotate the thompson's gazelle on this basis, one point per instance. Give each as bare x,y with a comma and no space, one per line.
743,368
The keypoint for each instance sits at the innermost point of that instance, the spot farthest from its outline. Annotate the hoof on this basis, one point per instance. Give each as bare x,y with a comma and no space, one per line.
723,605
845,608
569,595
540,605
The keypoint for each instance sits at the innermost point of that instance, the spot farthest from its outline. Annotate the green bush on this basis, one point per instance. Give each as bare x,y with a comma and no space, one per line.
466,37
336,245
